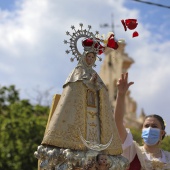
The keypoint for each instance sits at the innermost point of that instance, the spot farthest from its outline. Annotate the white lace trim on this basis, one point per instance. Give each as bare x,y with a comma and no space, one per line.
150,163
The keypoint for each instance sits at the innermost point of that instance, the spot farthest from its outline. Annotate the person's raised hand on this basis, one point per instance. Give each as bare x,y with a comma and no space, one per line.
123,84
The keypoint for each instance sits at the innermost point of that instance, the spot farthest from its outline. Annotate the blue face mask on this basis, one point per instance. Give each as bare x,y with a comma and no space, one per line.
151,135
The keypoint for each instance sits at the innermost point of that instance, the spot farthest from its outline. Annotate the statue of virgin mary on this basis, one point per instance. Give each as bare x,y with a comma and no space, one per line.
82,122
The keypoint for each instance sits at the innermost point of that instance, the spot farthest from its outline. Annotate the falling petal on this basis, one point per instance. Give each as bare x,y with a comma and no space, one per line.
131,23
135,34
112,43
123,23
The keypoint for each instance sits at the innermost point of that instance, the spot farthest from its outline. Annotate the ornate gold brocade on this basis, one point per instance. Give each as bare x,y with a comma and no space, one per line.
93,114
108,125
91,98
71,115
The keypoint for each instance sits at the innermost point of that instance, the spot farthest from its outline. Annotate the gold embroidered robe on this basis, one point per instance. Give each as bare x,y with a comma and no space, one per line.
83,107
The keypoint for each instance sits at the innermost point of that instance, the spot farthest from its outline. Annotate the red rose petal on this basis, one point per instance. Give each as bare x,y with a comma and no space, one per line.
123,23
131,23
112,42
135,34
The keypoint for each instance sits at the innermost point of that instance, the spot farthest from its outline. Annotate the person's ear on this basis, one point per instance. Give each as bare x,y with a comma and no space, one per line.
162,133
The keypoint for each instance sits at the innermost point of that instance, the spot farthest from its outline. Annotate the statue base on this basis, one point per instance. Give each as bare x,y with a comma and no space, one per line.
54,158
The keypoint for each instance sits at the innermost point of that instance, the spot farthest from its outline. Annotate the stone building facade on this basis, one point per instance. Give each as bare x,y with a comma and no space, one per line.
114,64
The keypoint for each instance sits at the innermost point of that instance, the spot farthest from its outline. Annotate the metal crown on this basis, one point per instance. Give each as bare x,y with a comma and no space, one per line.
75,36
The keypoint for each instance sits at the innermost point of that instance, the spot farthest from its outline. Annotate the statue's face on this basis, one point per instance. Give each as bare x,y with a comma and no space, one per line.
90,58
102,160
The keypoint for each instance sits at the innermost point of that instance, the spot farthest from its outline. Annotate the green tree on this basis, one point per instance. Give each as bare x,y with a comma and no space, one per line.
22,127
8,95
166,143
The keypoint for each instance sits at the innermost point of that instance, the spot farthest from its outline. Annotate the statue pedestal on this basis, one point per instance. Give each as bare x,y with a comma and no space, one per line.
53,158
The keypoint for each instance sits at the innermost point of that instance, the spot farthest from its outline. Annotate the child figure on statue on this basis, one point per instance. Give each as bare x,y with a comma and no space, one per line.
102,162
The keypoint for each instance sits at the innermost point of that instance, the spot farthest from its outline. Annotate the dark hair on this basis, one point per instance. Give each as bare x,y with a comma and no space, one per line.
160,119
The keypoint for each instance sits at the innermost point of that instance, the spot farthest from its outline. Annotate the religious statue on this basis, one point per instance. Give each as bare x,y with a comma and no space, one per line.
81,128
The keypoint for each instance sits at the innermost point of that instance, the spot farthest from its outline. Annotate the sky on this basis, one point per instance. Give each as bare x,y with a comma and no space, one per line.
32,52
